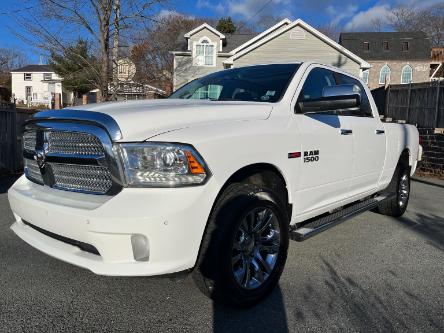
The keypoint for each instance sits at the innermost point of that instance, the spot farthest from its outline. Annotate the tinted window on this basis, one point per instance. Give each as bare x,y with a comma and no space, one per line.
365,108
265,83
316,80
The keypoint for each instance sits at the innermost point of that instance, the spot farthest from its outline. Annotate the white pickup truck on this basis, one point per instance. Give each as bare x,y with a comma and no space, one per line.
215,179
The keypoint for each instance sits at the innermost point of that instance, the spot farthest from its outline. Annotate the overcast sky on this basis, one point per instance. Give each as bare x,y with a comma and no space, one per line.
350,15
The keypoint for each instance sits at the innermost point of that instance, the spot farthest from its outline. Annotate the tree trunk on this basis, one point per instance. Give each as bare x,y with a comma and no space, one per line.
104,45
115,51
104,17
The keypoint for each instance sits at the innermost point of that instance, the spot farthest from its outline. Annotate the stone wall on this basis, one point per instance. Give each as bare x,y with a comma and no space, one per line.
432,163
421,71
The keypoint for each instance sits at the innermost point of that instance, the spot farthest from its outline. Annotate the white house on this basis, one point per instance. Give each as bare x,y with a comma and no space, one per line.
36,85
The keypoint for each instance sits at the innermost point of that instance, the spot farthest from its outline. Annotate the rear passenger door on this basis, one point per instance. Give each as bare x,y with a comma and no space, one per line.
327,155
369,142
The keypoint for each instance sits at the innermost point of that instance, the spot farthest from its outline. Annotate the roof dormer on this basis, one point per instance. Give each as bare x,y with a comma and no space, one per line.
205,31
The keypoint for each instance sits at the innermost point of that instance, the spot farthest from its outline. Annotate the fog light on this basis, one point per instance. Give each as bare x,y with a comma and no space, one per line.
141,249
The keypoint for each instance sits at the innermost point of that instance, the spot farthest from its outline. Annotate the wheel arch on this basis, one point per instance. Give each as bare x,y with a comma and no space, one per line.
258,174
265,174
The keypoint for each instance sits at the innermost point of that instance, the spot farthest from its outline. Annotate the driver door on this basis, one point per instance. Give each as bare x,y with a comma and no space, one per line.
327,149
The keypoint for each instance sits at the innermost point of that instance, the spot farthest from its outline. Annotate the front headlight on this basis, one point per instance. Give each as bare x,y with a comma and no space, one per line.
158,164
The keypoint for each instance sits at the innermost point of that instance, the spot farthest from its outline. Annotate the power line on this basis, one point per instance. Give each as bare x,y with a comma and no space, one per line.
257,13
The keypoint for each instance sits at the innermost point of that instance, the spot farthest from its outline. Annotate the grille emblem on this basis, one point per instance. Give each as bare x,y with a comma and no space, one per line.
40,153
40,158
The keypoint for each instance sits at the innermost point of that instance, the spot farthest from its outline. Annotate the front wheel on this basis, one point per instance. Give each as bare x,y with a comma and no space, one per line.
244,248
400,188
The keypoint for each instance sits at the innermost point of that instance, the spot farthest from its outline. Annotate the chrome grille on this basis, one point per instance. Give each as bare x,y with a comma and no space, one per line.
90,178
74,143
74,161
29,140
32,170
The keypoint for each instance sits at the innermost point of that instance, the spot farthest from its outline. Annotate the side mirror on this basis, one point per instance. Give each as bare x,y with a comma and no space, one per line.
338,98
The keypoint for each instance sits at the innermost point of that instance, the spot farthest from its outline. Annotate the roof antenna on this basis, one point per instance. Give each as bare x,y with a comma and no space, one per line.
41,60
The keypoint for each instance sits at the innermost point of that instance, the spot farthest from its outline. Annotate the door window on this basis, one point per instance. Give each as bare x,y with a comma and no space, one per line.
316,80
365,108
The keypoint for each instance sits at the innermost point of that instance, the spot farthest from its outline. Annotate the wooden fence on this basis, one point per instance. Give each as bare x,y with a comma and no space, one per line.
421,104
11,122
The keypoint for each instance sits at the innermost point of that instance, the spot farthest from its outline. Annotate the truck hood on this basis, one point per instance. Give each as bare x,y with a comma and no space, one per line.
141,120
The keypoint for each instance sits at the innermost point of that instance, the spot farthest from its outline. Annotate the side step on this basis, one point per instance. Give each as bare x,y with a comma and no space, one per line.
316,225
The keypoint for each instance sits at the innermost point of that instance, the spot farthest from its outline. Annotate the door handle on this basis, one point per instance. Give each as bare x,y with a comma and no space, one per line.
379,131
346,131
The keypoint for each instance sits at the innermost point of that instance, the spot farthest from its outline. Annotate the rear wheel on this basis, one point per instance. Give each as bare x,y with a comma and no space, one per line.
245,246
400,188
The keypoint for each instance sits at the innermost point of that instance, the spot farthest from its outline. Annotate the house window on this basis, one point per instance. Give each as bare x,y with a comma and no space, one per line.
365,76
405,46
385,45
384,75
366,46
205,53
47,76
406,74
28,77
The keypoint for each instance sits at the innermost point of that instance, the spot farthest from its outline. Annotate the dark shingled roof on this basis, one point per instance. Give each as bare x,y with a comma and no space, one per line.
235,40
34,68
419,45
231,42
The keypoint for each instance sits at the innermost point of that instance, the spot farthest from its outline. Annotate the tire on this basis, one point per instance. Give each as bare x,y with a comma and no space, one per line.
231,247
399,185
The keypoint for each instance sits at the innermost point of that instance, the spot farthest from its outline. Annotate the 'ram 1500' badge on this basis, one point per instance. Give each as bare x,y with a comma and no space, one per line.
311,156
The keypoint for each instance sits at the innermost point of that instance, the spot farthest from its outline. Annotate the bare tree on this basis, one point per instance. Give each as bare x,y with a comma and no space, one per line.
429,20
330,30
54,25
11,59
264,22
116,37
377,24
152,47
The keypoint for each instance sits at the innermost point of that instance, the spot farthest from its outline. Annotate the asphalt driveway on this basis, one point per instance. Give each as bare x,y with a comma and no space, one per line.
371,273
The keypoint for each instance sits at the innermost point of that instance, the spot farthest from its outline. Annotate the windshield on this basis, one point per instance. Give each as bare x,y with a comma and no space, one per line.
264,83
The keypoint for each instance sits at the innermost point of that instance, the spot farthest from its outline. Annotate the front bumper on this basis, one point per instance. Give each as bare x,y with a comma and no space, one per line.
172,222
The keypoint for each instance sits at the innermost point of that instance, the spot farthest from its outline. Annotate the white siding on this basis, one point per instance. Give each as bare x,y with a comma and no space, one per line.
205,33
184,71
40,89
297,44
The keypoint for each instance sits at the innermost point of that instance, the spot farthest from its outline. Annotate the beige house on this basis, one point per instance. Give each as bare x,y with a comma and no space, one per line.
204,50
